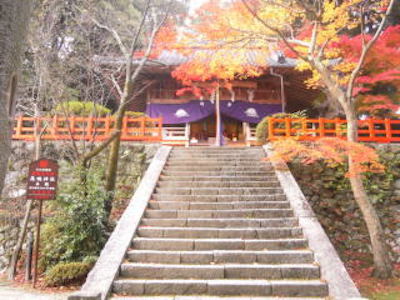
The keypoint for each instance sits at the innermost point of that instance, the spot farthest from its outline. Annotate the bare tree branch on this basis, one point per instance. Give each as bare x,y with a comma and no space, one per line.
116,85
87,157
314,35
150,44
115,35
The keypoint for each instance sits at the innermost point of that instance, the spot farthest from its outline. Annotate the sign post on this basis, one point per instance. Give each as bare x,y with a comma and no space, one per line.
42,185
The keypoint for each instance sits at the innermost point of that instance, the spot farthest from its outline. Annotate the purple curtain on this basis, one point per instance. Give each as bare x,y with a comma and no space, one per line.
247,111
197,110
181,113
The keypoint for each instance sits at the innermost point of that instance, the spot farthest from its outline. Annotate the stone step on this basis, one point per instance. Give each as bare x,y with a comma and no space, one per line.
217,156
218,159
256,168
210,149
203,297
222,223
222,233
219,152
219,191
216,149
196,178
217,206
225,287
218,183
239,213
229,271
141,243
211,153
264,173
222,257
220,198
219,163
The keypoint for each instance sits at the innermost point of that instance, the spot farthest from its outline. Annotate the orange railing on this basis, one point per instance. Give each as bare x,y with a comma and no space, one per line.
86,128
370,130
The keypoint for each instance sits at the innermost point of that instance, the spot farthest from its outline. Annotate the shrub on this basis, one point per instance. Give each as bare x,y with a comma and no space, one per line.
262,127
66,273
77,230
134,114
82,109
261,131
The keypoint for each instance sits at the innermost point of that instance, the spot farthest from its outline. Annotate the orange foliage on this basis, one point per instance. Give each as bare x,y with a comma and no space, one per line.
333,151
381,67
212,48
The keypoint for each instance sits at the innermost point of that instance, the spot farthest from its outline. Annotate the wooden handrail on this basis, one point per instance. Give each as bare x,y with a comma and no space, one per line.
370,130
87,128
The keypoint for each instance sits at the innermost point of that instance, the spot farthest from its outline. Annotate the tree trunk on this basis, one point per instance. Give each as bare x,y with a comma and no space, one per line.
382,263
14,18
218,135
24,226
21,237
112,164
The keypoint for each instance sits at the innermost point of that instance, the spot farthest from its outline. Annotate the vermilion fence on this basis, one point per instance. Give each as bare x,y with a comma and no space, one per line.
370,130
86,128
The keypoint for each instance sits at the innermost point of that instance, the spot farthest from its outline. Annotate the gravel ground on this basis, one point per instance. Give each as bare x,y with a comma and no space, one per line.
10,292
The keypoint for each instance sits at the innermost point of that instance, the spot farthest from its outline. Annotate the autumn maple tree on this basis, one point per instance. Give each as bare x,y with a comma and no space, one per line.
210,68
342,44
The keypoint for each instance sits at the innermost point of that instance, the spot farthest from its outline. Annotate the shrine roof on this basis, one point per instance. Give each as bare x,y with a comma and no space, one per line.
173,58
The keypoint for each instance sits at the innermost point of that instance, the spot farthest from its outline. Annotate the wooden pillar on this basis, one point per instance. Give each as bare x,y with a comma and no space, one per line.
388,130
218,134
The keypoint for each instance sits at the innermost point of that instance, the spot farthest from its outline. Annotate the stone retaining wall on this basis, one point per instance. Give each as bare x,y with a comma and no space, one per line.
8,240
134,160
329,194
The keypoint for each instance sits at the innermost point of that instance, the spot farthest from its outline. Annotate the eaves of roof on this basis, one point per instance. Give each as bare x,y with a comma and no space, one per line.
174,59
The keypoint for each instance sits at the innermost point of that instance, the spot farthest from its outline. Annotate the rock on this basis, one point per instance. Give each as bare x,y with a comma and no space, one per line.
315,198
397,185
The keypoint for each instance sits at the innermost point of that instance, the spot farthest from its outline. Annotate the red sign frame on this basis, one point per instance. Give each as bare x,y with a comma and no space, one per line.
42,180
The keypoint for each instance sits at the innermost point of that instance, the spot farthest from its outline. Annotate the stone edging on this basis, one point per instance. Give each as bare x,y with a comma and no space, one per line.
341,286
99,281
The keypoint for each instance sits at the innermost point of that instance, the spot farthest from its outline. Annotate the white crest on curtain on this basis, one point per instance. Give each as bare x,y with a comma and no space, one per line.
181,113
252,113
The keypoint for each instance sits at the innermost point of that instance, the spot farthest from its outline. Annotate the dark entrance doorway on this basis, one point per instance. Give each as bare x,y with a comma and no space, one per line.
204,131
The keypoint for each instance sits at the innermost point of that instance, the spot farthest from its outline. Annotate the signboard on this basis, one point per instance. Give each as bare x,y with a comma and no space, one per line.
42,180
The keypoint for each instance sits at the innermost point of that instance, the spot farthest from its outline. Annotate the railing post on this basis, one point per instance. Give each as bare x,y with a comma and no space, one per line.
288,127
304,129
338,130
160,128
89,128
388,130
270,129
54,127
107,127
142,126
124,133
371,129
321,127
71,125
18,129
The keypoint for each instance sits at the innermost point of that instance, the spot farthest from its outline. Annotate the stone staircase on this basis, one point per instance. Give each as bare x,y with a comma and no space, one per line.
219,224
